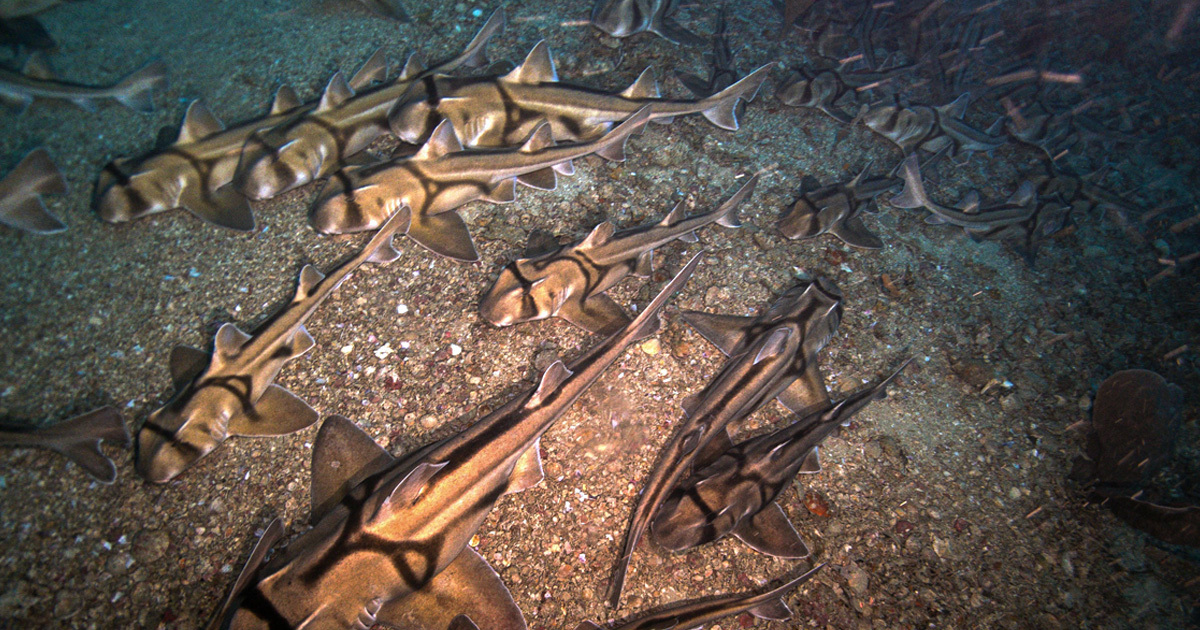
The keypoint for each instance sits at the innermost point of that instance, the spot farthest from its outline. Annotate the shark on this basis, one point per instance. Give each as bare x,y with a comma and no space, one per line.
722,69
390,9
443,176
21,205
570,281
837,209
389,544
736,493
37,81
77,439
930,128
622,18
830,90
696,614
497,111
196,171
771,356
231,391
322,140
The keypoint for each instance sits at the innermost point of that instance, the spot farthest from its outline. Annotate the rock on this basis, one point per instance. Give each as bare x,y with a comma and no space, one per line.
118,563
149,546
856,579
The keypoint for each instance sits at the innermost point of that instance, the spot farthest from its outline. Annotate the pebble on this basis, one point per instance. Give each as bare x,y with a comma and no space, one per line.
651,347
429,421
149,546
119,563
856,578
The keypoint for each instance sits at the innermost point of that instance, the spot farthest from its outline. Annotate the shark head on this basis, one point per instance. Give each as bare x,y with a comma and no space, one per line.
176,436
514,299
269,167
684,520
346,206
121,196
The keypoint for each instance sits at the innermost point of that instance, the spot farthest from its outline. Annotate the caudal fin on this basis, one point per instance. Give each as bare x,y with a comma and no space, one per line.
647,322
136,91
20,204
78,439
612,145
722,106
913,195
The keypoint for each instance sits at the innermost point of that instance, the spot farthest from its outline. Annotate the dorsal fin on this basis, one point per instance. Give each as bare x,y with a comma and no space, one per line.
542,137
598,236
538,67
645,86
674,216
408,490
198,123
774,345
336,92
970,202
862,175
956,108
310,277
285,100
38,67
229,341
373,69
342,456
1025,194
412,68
551,379
443,140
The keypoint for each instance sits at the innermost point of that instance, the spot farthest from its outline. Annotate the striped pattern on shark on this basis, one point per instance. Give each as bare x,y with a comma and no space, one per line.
837,209
931,128
37,81
390,536
442,176
77,439
736,493
231,391
196,171
313,145
772,355
503,111
570,282
622,18
21,205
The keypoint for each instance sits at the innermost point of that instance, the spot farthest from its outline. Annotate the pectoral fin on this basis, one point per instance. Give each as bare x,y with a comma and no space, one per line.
727,332
853,232
807,393
343,455
224,206
186,364
772,533
445,234
598,314
467,587
277,412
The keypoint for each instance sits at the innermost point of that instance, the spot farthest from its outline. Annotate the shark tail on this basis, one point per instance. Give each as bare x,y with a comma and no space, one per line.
136,91
647,322
382,247
721,107
611,146
23,208
78,439
913,195
270,536
770,605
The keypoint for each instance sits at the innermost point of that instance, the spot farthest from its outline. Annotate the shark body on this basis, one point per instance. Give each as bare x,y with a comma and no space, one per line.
37,81
622,18
837,209
390,535
503,110
231,391
77,439
932,129
773,355
324,139
736,493
196,171
570,282
443,176
21,205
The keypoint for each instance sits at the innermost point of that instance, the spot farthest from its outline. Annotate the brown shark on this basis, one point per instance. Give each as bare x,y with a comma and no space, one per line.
443,176
837,209
196,171
37,80
391,9
21,204
322,140
622,18
736,493
570,281
231,391
831,90
77,439
691,615
503,110
930,128
772,355
389,543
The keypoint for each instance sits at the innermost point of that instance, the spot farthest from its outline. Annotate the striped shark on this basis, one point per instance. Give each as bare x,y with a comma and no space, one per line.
837,209
77,439
692,615
503,110
36,80
21,205
736,493
443,176
930,128
622,18
195,172
231,391
322,140
570,281
772,355
390,535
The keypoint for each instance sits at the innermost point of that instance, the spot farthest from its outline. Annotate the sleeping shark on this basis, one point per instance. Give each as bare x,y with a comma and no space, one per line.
695,614
442,176
21,205
570,281
320,141
36,80
195,172
231,391
930,128
622,18
772,355
503,110
837,209
831,90
77,439
736,493
390,538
